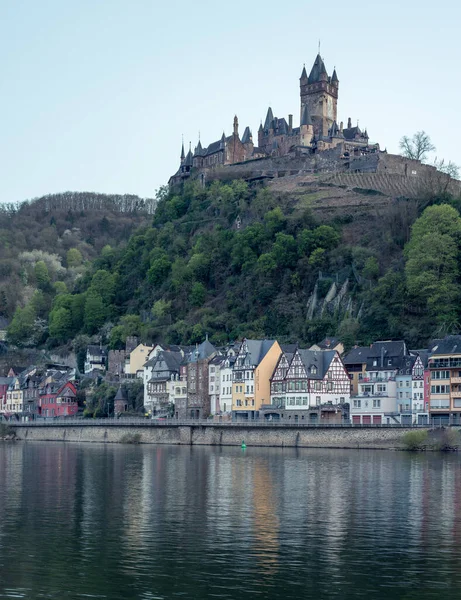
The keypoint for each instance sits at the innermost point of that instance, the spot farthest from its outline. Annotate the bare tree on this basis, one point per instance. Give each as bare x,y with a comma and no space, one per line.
449,168
417,147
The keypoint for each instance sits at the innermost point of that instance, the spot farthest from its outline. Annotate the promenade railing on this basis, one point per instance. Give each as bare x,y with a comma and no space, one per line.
264,424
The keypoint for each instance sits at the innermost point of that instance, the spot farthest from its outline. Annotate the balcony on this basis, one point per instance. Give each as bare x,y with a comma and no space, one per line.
445,363
454,380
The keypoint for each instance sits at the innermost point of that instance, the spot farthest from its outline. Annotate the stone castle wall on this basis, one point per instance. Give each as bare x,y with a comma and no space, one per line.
225,435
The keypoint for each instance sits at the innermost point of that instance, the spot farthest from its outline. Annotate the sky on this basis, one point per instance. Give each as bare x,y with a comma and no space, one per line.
95,95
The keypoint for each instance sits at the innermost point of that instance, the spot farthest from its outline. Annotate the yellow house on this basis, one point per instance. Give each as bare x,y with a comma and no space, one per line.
134,362
253,368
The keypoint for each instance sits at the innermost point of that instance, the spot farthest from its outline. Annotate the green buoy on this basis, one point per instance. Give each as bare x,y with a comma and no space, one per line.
243,445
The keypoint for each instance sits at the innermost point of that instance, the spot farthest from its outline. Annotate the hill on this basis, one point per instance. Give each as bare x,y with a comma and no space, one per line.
64,231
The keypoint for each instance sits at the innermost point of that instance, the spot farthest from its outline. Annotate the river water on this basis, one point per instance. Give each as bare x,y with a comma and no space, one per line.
160,522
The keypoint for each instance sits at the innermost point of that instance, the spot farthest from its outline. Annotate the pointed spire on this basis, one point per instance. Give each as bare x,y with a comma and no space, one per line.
269,119
318,71
260,126
334,77
182,150
198,149
247,137
304,74
305,116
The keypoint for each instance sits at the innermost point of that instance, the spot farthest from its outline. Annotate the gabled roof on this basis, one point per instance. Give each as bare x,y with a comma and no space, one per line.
205,350
319,359
388,349
358,355
96,350
257,350
318,69
328,343
351,133
451,344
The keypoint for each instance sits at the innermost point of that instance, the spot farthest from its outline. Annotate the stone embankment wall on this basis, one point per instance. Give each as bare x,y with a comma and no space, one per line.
215,435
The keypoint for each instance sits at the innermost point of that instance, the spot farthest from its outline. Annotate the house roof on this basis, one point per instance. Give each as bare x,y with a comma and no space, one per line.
357,355
96,350
246,138
6,380
205,350
328,343
407,364
351,133
320,359
257,349
388,349
451,344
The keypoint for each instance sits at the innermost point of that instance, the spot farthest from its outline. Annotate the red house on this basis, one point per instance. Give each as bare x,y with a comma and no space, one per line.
58,400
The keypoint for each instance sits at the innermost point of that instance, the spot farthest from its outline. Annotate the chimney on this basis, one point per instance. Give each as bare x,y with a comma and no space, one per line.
290,123
341,127
349,123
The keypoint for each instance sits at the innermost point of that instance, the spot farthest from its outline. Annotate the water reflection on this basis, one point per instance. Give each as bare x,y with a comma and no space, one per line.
160,522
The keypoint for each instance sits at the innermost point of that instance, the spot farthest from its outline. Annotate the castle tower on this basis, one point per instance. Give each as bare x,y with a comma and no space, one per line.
319,93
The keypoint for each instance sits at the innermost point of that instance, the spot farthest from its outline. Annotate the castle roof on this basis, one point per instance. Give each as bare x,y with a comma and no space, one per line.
198,149
352,133
318,69
188,161
269,119
304,73
305,116
246,136
334,77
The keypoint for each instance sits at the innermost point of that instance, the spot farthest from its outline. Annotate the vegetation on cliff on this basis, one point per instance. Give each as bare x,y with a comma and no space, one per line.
235,260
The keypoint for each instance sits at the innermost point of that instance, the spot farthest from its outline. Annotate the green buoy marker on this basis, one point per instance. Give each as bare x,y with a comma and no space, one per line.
243,445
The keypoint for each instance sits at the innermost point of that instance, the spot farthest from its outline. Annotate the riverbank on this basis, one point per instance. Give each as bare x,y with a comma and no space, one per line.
219,435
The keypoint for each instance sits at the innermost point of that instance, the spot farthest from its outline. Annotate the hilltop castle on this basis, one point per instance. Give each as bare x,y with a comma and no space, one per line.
318,131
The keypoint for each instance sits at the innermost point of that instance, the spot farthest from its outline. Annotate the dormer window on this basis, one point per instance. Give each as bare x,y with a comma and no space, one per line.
389,362
375,362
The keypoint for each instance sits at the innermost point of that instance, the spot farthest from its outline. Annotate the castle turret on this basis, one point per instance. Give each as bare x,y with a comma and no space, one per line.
269,119
319,93
183,156
236,126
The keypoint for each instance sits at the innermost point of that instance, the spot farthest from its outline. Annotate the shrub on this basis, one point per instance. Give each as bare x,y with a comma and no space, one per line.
449,441
5,430
415,440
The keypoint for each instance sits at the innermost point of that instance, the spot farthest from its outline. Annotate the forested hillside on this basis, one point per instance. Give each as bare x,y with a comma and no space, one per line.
52,239
236,260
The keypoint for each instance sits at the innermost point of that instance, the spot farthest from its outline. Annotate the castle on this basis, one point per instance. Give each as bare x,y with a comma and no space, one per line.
318,131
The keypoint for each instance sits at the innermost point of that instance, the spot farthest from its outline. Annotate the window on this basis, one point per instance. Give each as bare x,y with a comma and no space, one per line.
407,384
381,387
440,389
317,400
376,403
357,403
440,375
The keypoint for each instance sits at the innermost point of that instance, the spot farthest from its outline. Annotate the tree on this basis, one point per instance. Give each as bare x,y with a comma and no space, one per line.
432,262
60,324
42,275
95,312
417,147
198,294
74,257
21,328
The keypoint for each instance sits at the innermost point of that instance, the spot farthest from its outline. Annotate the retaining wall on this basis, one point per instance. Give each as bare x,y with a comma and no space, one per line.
327,437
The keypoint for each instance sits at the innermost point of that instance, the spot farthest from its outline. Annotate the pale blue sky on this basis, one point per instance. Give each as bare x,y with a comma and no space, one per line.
95,94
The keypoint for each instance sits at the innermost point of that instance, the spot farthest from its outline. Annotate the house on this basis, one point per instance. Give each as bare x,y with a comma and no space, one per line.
58,399
312,385
253,368
225,374
198,399
180,392
96,358
14,397
5,383
214,383
355,362
376,400
159,393
135,361
329,343
445,381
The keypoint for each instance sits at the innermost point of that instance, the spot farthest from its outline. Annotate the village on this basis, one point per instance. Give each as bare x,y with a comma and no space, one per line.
384,383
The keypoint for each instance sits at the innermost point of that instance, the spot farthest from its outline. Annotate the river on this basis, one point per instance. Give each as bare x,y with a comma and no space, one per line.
160,522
